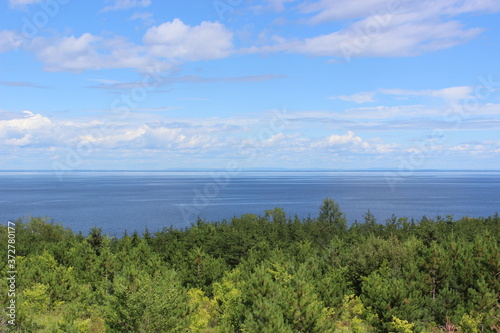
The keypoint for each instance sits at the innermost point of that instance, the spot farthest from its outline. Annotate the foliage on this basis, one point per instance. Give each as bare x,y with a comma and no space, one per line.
269,273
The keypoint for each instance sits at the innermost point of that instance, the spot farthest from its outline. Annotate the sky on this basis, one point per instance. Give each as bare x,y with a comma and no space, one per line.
235,84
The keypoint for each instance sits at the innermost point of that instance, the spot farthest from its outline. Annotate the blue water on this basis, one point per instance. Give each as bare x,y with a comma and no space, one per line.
133,200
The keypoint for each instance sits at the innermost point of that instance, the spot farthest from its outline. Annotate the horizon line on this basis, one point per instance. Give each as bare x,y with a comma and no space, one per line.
262,169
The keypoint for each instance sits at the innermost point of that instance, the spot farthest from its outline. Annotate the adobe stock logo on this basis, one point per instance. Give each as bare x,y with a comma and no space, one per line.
41,18
224,6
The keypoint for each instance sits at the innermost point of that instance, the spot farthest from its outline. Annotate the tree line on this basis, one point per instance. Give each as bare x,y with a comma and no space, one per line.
270,273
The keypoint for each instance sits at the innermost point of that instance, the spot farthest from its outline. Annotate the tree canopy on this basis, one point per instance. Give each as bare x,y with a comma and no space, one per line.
270,273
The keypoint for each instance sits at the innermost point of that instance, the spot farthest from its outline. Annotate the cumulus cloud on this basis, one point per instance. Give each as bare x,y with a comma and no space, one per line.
24,131
145,136
164,47
479,149
231,137
341,140
209,40
461,147
68,53
353,143
91,52
179,136
374,28
134,132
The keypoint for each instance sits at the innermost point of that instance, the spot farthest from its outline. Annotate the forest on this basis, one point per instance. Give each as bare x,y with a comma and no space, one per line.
272,273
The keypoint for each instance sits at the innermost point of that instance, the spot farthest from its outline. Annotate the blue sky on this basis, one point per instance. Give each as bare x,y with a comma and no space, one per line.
149,84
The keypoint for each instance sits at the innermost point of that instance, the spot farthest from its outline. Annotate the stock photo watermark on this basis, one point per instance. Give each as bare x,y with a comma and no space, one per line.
225,6
249,150
11,274
454,114
34,22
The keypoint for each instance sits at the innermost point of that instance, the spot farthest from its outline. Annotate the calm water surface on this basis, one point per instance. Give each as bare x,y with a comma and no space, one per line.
131,201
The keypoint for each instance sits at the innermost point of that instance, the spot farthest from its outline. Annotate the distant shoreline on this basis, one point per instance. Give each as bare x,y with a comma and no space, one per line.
271,170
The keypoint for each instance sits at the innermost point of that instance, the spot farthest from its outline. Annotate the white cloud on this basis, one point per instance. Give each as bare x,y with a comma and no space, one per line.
209,40
330,10
157,137
164,46
90,52
21,3
126,4
380,28
453,115
334,10
452,93
351,142
141,16
486,109
476,149
140,132
341,140
9,40
271,5
23,131
68,53
388,112
359,98
396,40
136,131
161,81
273,141
215,137
457,7
385,148
146,18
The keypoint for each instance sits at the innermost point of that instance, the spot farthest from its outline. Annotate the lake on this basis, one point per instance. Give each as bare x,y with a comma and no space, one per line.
119,201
